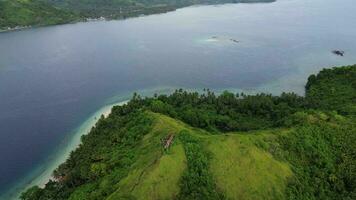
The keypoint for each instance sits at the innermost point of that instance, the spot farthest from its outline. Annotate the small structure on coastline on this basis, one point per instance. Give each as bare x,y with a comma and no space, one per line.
338,52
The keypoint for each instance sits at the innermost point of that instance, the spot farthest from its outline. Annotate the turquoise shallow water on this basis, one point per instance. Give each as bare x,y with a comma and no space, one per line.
43,173
52,79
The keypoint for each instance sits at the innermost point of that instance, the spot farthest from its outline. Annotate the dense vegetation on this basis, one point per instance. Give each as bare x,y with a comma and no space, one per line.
48,12
31,12
228,112
287,147
333,89
109,161
197,182
127,8
322,152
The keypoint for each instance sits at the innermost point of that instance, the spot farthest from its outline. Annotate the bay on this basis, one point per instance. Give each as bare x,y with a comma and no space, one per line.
52,79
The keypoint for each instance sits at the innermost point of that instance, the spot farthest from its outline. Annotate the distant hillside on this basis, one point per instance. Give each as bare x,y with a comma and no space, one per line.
31,12
47,12
116,4
202,146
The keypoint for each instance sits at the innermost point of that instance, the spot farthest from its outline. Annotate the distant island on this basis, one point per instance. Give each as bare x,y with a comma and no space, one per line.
190,145
18,14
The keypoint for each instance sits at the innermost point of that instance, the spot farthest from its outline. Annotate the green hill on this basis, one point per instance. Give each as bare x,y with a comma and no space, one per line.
223,147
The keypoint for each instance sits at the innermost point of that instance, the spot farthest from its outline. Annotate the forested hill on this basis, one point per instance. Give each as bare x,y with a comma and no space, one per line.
31,12
126,8
230,146
47,12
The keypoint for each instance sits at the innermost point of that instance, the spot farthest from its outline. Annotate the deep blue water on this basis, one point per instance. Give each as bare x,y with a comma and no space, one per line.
53,78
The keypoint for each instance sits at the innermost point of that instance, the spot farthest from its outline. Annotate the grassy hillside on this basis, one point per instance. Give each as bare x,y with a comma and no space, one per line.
245,171
239,167
31,12
294,152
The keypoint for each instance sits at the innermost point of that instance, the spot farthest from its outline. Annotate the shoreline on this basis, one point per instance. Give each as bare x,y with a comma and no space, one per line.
84,19
42,174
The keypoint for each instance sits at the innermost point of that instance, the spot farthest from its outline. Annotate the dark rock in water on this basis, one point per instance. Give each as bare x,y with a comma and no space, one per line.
236,41
338,52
